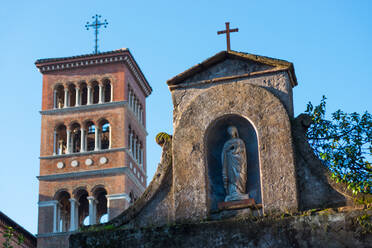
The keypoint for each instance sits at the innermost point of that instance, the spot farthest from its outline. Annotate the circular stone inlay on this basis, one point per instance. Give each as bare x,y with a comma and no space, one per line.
74,163
89,161
103,160
60,165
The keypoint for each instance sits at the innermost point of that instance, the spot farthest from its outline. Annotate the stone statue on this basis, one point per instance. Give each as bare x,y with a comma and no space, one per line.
234,167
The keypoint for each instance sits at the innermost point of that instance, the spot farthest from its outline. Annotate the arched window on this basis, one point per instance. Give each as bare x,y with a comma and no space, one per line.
101,207
90,137
83,206
83,94
105,136
95,93
75,138
59,97
63,211
71,95
107,90
60,140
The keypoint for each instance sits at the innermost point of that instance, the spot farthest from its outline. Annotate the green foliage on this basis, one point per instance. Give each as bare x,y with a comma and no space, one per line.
344,144
365,222
8,235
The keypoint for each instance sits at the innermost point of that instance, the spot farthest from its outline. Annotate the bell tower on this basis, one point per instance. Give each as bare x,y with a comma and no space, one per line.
93,141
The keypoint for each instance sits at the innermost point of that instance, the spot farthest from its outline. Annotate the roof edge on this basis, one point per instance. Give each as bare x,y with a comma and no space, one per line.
72,62
237,55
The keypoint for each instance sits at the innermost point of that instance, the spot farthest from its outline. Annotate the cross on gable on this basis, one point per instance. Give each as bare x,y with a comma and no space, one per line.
227,32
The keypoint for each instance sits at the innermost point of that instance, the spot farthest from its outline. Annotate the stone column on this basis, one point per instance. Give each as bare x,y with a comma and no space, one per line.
58,218
138,151
68,141
66,98
96,139
100,93
92,210
134,148
73,214
77,97
110,137
130,141
55,99
111,93
55,216
55,142
82,140
89,95
141,154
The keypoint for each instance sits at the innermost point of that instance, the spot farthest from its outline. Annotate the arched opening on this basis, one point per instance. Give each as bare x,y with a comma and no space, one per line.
75,137
216,136
90,137
107,90
101,207
105,134
83,208
95,93
83,93
63,211
59,97
71,95
60,141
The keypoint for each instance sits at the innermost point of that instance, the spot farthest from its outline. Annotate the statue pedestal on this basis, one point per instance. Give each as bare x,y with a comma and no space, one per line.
238,204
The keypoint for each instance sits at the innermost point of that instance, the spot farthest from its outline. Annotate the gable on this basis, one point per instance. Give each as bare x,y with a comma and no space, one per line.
231,64
228,67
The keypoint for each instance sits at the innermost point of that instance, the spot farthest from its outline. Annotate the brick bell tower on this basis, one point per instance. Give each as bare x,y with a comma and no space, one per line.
93,141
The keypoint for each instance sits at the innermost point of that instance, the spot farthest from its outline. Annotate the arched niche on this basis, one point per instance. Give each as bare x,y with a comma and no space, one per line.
216,136
275,148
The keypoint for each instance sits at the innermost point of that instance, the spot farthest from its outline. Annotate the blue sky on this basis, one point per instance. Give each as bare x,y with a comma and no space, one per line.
329,43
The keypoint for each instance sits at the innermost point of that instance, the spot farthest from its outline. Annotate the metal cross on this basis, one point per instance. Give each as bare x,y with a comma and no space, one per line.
227,32
96,24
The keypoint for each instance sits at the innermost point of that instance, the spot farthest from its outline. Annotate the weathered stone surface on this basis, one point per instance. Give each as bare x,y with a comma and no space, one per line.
228,67
321,230
155,206
270,119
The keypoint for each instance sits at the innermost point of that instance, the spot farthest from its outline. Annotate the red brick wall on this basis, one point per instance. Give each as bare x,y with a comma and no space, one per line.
119,118
26,244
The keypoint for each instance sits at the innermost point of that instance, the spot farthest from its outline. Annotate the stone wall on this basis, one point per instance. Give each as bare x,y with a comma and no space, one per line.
328,229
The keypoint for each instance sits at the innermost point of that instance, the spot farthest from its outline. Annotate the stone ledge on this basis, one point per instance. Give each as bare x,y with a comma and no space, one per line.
103,172
238,204
81,108
56,234
78,154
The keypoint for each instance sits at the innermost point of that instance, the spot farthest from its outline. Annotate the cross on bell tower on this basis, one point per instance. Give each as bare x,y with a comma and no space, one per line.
227,32
96,24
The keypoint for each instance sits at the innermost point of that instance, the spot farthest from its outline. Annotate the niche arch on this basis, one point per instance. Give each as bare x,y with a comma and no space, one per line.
215,138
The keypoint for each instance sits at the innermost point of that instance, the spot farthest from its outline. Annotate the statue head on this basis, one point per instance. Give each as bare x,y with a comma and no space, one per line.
233,131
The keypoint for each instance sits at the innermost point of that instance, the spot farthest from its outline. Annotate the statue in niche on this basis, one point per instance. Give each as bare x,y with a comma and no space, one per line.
234,167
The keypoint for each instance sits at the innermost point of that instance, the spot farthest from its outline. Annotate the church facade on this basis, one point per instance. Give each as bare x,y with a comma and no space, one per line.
93,141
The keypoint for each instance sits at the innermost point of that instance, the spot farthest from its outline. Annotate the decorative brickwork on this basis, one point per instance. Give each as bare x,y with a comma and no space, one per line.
90,164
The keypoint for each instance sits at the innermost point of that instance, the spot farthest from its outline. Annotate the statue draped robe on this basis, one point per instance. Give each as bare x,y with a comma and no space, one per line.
234,169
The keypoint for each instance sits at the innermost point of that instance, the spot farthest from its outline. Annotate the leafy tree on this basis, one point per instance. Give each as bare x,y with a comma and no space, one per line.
344,144
8,234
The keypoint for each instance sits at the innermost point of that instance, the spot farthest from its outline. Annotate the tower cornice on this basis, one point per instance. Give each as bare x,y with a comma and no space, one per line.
122,55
